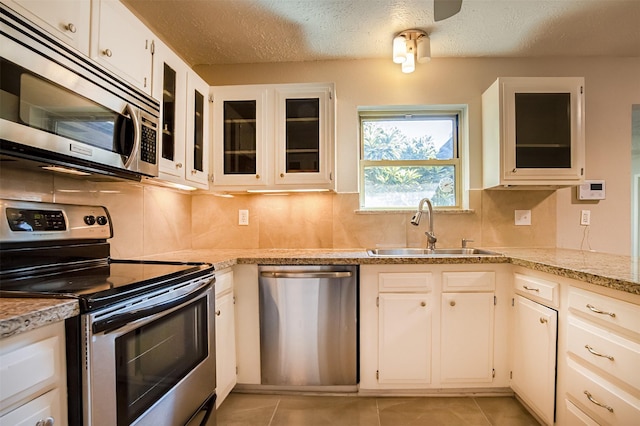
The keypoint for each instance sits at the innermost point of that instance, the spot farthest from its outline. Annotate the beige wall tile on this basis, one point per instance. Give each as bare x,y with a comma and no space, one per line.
295,220
18,184
498,218
167,220
358,230
215,222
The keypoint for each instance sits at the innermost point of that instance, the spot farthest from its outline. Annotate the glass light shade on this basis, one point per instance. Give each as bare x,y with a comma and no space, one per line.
423,49
399,49
409,65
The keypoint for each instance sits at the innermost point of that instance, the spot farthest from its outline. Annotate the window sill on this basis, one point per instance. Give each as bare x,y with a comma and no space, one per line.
409,211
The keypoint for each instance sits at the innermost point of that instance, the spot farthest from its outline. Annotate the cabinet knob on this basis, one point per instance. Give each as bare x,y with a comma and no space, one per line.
193,172
49,421
257,176
71,28
423,303
543,320
281,175
178,165
218,313
514,171
452,303
107,52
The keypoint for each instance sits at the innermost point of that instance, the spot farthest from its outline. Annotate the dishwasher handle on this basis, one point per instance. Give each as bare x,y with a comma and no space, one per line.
306,274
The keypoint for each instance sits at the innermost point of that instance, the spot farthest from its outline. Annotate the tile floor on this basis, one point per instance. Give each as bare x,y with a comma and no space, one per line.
280,410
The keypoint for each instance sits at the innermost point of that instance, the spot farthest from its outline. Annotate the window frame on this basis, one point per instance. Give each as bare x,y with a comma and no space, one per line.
458,161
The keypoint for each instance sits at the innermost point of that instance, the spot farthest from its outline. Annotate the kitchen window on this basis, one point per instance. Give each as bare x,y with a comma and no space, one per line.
407,155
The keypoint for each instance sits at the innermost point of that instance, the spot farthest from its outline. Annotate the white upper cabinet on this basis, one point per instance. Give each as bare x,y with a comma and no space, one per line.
268,137
197,141
304,126
184,149
170,87
122,43
69,21
533,132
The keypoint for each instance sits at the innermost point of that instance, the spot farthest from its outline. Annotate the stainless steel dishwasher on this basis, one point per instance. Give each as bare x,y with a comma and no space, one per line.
309,327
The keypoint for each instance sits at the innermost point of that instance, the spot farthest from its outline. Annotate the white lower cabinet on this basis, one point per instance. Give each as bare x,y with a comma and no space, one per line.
466,342
533,343
33,386
225,335
426,327
603,355
404,348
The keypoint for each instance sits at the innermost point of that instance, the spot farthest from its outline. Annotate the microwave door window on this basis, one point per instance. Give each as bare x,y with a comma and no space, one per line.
47,106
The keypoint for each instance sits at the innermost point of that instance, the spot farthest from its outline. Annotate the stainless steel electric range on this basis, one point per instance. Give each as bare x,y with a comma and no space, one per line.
142,350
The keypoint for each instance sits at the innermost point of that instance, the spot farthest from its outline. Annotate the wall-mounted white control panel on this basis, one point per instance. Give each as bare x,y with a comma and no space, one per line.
592,190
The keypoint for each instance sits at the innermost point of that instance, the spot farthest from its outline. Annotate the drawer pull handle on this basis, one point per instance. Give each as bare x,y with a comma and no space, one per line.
590,349
598,311
600,404
531,288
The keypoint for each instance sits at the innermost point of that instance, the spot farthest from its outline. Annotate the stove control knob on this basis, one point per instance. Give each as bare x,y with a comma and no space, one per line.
90,220
102,220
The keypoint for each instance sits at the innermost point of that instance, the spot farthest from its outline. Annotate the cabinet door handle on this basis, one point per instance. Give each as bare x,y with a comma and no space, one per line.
423,303
107,52
178,165
596,353
70,27
598,311
530,288
543,320
49,421
257,176
452,303
218,313
600,404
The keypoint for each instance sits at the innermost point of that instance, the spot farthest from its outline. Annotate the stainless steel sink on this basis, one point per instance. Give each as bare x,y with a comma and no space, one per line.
423,252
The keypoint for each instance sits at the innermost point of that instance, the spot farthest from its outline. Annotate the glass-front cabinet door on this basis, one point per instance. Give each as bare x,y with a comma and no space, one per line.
544,128
273,137
197,147
171,90
304,139
239,128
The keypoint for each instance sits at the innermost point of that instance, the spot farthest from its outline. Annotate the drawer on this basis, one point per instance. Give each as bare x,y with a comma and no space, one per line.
599,399
612,353
576,417
48,405
419,282
606,310
459,282
28,367
537,289
224,282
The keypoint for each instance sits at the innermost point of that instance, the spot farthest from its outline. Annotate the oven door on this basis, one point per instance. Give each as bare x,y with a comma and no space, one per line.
152,362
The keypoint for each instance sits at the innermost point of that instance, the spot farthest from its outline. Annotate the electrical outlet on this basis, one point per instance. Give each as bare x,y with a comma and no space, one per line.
585,217
523,217
243,217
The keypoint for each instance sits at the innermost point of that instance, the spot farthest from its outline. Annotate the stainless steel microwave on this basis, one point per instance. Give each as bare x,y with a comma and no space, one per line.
59,108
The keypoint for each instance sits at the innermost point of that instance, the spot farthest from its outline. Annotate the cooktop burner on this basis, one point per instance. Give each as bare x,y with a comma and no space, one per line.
102,285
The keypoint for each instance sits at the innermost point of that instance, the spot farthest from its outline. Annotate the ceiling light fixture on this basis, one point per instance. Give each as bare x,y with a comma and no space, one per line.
409,47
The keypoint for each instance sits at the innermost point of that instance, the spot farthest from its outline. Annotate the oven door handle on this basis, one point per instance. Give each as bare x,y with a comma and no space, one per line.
115,322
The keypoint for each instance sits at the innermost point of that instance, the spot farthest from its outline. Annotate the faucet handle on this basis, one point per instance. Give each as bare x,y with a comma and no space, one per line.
465,241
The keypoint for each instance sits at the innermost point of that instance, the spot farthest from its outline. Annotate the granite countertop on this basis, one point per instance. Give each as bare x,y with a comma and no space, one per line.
613,271
18,315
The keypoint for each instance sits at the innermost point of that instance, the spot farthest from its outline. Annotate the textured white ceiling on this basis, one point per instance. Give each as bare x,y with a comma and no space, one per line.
252,31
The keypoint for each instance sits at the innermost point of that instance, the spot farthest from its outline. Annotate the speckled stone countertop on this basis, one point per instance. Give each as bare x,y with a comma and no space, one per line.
18,315
612,271
608,270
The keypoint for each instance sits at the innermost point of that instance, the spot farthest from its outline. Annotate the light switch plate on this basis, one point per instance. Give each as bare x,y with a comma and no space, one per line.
243,217
523,217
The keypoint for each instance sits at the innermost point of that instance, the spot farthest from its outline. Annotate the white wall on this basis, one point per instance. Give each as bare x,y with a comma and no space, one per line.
612,86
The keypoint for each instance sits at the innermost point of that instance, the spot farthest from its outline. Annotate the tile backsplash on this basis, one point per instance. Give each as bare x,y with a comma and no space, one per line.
149,219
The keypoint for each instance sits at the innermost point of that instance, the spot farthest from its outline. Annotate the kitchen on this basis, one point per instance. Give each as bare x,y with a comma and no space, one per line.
161,221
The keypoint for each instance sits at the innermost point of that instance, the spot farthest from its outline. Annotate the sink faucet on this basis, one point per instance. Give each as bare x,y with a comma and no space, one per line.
415,220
